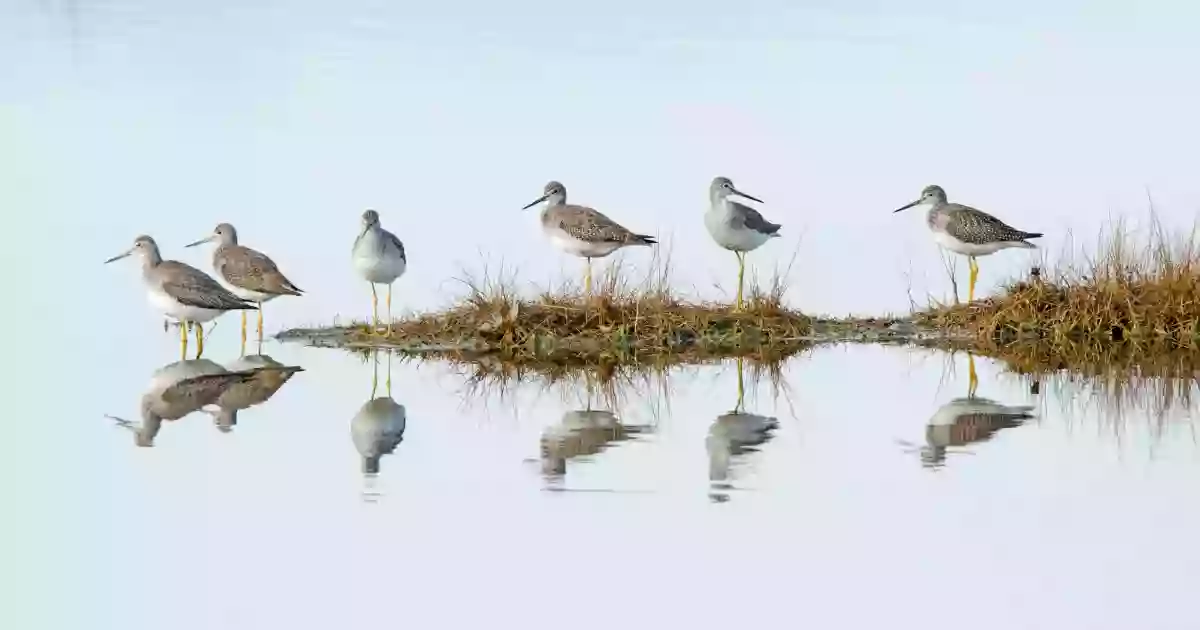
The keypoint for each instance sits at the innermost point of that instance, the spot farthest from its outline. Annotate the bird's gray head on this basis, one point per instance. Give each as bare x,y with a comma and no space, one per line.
370,218
930,195
223,234
722,187
554,192
143,246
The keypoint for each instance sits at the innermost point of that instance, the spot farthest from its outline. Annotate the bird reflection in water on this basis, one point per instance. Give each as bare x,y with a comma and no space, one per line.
183,387
378,427
578,436
969,420
731,437
269,377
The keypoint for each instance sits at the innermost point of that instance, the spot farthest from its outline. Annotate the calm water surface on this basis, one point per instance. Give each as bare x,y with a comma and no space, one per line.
527,504
829,503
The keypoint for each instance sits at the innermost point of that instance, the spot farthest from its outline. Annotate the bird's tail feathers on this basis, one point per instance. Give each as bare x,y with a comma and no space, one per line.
645,239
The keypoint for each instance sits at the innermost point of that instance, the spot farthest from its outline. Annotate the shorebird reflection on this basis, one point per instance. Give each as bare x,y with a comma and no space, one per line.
732,436
378,426
579,435
969,420
184,387
269,377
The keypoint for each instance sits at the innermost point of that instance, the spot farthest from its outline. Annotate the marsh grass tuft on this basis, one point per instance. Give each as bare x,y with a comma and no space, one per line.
626,319
1130,298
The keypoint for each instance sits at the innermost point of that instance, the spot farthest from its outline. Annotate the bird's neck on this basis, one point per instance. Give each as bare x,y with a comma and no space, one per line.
151,259
719,202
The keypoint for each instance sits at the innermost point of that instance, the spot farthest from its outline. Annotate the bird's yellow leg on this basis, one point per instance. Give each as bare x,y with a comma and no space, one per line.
741,277
389,316
374,309
259,320
199,340
587,277
741,387
183,339
972,378
374,372
389,374
974,275
243,333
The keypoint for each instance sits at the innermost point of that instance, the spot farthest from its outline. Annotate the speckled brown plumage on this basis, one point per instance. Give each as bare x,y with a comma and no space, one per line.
252,270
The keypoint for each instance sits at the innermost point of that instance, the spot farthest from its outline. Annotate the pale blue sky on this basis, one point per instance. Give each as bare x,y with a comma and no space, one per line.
288,119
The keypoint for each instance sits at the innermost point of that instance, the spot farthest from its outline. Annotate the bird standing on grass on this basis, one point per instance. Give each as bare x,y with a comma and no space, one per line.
181,291
968,231
249,274
379,259
582,231
734,226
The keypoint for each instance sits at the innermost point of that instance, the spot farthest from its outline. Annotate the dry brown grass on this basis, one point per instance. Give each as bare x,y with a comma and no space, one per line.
626,319
1132,297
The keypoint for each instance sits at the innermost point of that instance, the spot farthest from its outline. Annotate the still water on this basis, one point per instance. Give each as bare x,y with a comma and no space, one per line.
837,496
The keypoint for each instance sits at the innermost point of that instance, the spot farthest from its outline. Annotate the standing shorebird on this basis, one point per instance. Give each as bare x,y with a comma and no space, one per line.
582,231
181,291
968,231
249,274
734,226
379,258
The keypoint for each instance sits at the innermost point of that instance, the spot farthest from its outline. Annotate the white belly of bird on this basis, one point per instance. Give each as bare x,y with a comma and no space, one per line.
168,306
247,294
738,240
970,249
577,247
378,269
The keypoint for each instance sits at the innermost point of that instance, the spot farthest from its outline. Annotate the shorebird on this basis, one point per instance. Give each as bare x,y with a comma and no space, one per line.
249,274
379,259
378,427
968,231
734,226
582,231
181,291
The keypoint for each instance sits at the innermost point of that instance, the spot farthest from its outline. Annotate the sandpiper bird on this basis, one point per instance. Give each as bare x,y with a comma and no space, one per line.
734,226
248,274
582,231
968,231
379,259
181,291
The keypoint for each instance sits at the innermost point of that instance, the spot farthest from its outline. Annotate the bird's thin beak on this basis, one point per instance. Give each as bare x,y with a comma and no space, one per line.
536,202
750,197
201,241
906,207
118,257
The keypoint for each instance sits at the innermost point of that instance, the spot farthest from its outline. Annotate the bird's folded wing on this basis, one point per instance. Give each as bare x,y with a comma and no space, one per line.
192,287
